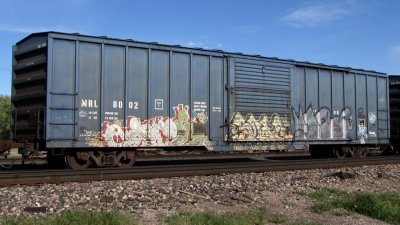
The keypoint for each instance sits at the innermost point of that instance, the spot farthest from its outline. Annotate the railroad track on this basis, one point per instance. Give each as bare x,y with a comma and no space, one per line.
24,177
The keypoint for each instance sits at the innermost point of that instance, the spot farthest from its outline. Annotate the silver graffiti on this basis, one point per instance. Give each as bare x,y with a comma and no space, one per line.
322,124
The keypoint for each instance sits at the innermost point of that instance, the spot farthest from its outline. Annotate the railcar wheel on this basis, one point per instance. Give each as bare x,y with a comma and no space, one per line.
341,152
360,152
7,165
389,150
127,159
77,160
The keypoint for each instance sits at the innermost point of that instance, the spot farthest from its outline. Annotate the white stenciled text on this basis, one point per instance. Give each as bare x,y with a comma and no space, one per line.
120,105
89,103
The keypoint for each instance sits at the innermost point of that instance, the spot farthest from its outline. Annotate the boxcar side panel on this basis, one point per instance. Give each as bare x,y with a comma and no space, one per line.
361,107
200,100
136,83
181,96
321,121
299,92
372,107
89,82
342,107
337,95
312,91
325,92
216,99
158,122
113,95
62,91
350,103
384,114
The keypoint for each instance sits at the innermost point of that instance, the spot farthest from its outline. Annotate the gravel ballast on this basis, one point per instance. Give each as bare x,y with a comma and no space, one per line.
279,192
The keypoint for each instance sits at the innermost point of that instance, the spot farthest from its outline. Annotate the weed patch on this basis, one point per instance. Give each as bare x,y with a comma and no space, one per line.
385,207
76,218
258,216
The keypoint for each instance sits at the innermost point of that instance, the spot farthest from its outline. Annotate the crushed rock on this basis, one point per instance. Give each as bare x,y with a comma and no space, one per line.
279,192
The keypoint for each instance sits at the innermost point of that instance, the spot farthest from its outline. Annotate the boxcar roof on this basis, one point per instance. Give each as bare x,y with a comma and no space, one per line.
234,54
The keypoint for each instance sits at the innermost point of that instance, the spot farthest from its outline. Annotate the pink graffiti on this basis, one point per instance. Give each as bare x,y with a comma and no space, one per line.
158,131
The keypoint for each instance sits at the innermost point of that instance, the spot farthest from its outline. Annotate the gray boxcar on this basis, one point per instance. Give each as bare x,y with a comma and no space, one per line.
73,91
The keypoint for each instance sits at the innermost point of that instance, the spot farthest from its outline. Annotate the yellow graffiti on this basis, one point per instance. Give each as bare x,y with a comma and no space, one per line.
274,128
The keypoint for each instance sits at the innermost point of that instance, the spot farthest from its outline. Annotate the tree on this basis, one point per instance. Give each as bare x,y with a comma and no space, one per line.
5,116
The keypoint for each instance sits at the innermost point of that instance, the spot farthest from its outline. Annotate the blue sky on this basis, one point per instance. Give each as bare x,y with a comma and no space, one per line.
356,33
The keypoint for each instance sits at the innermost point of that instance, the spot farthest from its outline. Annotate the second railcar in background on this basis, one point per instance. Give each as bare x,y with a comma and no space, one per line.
394,90
97,99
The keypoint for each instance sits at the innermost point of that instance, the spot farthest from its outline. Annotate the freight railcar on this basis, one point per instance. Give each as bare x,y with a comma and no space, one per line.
95,100
394,96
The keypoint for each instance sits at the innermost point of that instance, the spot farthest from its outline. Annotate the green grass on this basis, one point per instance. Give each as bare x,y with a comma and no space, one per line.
75,218
252,217
385,207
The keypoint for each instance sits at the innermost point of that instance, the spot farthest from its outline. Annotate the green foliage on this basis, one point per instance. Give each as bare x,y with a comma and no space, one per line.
258,216
5,109
385,207
251,217
76,218
326,200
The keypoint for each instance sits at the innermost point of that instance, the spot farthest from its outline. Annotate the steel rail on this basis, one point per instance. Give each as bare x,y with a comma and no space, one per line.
24,177
10,161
